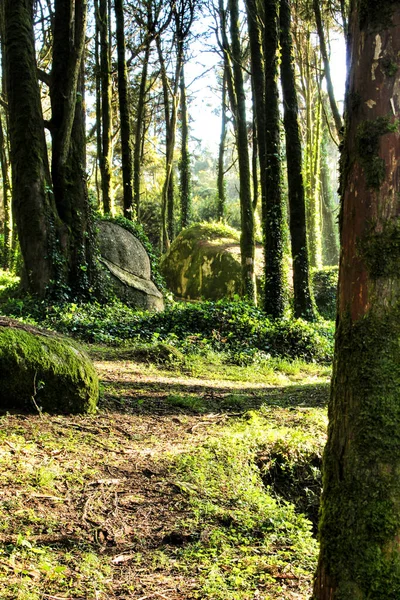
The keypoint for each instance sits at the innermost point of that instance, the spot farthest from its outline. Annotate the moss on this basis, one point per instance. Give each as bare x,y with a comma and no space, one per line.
368,138
360,519
381,250
389,66
52,370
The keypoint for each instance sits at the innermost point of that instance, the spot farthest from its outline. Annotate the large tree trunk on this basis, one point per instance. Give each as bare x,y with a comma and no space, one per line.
360,520
303,306
124,117
273,224
247,244
31,186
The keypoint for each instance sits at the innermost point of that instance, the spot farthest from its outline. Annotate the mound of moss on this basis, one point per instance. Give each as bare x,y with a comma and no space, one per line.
204,263
40,370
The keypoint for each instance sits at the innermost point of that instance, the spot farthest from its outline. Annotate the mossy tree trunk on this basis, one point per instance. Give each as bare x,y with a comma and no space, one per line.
31,186
360,520
273,221
124,116
303,305
68,167
247,244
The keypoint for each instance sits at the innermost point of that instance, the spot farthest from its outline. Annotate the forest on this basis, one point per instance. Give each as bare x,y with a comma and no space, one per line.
199,299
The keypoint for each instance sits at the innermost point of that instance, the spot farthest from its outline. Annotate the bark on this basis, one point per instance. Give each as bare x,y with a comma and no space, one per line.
273,223
303,305
327,69
247,244
32,203
124,116
360,519
106,108
184,167
139,129
221,202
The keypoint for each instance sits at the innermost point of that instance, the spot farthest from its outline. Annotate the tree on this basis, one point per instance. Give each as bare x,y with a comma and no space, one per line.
273,224
360,518
124,116
53,215
303,306
106,106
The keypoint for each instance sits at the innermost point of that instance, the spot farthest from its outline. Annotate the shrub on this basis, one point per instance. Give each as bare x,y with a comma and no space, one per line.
324,283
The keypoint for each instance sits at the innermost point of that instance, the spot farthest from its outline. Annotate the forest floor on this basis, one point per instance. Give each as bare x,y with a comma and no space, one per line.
184,485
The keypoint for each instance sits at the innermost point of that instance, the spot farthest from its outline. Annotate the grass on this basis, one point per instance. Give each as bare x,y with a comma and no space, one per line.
171,489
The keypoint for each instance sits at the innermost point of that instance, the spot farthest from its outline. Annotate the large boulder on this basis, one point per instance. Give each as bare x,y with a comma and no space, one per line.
40,369
203,262
129,267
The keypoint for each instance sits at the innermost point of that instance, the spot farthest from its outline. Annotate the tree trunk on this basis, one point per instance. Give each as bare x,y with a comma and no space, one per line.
98,99
7,227
139,130
303,305
247,244
330,237
258,90
360,519
324,53
31,187
124,116
221,201
184,166
273,224
106,108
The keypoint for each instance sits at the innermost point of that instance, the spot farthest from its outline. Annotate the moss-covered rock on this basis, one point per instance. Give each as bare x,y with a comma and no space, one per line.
39,369
204,263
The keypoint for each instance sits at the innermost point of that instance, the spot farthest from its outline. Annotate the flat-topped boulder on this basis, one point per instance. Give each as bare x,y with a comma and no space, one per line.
204,262
129,267
40,370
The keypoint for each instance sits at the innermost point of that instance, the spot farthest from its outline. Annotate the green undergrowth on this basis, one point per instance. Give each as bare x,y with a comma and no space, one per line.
205,495
244,535
241,331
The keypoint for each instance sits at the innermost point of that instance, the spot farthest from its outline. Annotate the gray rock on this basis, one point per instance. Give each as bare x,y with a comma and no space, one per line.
129,267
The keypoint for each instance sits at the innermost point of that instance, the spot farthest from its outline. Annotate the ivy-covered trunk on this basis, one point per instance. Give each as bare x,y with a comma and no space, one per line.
75,253
31,186
273,223
360,519
303,306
